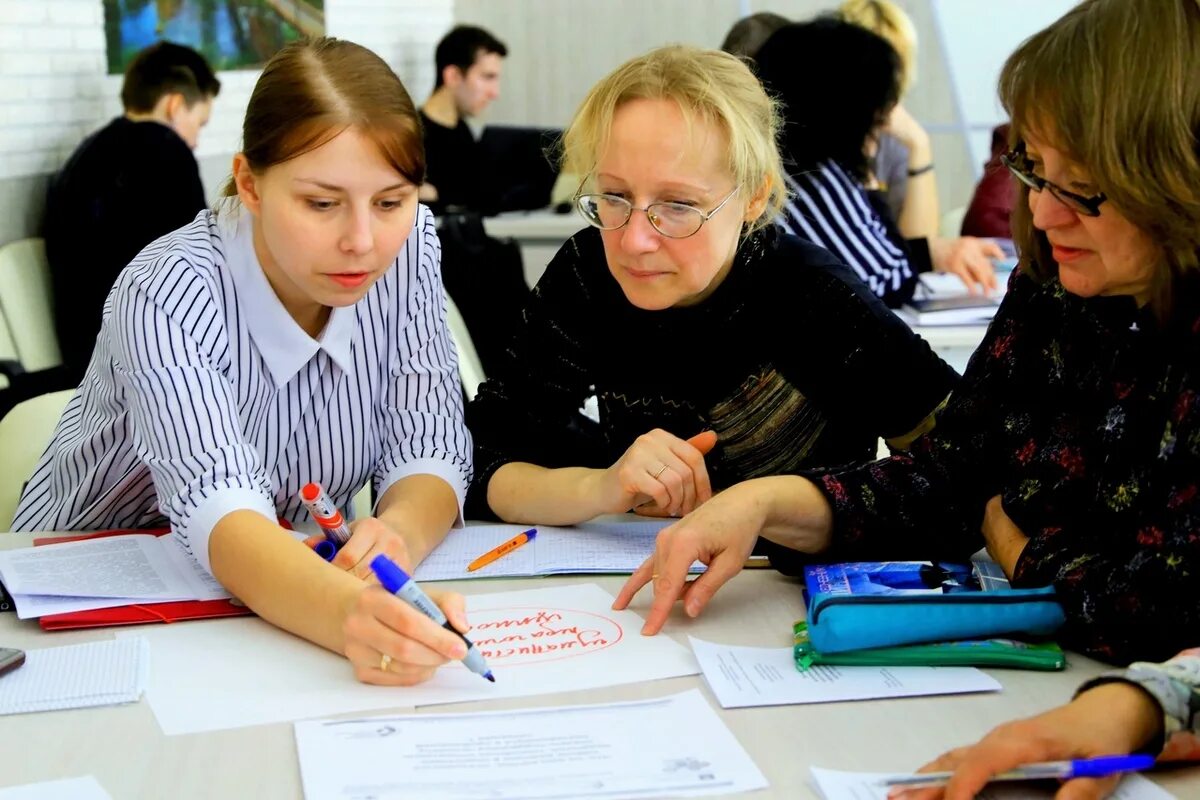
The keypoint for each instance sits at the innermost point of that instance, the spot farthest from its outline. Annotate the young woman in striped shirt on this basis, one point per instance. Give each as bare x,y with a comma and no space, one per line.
294,334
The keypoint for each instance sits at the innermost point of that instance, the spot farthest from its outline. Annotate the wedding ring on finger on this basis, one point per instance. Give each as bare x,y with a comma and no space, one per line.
661,470
385,661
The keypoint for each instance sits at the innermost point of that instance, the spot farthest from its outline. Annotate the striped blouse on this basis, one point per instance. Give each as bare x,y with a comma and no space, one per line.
204,396
829,207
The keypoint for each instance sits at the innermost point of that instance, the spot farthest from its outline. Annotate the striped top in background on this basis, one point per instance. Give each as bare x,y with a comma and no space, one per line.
204,396
829,207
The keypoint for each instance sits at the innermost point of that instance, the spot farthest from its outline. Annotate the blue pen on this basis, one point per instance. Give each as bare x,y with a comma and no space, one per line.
1099,767
399,583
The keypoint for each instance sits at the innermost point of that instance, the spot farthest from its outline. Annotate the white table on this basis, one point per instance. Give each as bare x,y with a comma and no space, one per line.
124,748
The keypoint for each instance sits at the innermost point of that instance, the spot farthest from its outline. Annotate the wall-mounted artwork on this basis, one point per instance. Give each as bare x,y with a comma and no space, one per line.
232,34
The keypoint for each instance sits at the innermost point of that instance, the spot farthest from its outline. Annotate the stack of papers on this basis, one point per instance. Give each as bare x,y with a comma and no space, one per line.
77,676
103,573
594,547
943,299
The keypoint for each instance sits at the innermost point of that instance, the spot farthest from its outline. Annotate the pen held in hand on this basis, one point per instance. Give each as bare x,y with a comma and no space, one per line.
502,550
398,582
327,515
1098,767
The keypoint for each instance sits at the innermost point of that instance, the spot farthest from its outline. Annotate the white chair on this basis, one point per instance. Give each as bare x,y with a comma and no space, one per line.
470,368
25,298
24,433
8,350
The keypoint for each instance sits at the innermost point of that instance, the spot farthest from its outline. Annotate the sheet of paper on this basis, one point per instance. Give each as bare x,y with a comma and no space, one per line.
837,785
77,676
145,567
767,676
231,673
600,546
85,788
32,606
612,750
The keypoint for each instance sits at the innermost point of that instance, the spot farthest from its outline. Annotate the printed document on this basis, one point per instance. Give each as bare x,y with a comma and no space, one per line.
767,676
606,545
614,750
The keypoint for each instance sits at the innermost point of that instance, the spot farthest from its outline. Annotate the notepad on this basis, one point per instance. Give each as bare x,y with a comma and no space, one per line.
77,676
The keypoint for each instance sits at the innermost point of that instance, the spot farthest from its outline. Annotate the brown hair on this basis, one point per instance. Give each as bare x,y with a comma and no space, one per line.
707,84
312,90
167,68
1113,85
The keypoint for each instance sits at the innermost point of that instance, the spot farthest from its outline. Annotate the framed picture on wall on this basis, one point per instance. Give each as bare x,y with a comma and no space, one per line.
231,34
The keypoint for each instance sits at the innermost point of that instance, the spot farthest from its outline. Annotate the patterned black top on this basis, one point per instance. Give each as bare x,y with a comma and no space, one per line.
1085,416
792,361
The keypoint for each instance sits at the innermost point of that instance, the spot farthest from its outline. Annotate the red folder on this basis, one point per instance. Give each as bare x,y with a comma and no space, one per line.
141,613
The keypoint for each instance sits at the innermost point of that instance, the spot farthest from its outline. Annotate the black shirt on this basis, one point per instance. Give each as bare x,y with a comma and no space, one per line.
123,187
455,166
791,361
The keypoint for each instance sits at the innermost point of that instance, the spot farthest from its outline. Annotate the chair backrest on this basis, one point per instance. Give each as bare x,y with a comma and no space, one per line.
25,297
8,350
470,368
24,433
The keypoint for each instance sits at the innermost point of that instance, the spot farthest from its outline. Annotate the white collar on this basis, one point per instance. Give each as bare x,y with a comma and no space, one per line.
284,345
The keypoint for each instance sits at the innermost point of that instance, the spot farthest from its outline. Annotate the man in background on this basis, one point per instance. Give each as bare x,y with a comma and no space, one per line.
469,61
126,185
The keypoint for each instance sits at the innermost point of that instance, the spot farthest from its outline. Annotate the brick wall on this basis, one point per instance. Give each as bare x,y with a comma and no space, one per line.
54,89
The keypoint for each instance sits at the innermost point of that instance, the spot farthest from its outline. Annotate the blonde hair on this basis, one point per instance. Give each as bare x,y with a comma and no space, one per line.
1113,85
706,84
886,19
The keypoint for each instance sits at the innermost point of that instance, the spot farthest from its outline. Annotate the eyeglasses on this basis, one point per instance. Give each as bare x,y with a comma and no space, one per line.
673,220
1019,165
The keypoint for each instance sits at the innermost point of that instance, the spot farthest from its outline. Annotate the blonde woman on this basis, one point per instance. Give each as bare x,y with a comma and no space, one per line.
718,348
1072,444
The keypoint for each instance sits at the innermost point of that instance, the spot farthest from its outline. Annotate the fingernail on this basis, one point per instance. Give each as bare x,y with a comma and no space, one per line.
692,607
459,650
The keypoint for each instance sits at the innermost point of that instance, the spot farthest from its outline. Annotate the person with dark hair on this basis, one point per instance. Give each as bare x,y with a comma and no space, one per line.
294,333
123,187
1071,446
748,33
829,135
469,61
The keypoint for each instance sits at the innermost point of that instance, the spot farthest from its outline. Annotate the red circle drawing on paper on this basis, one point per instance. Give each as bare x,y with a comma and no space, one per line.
537,634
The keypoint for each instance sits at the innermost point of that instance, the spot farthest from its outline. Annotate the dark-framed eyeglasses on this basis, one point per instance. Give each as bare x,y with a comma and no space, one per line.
673,220
1019,165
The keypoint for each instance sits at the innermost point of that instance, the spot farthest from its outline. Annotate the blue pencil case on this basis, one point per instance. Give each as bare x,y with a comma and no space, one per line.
883,604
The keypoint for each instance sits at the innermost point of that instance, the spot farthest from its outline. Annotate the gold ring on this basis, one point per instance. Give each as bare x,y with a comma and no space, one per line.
384,662
654,576
661,470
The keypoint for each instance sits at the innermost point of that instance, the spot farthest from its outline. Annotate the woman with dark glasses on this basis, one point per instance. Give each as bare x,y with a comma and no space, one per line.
1071,447
717,348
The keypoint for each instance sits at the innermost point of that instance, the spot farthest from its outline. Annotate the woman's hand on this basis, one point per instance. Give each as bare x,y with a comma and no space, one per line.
392,644
969,258
1005,541
720,534
1110,719
369,537
660,474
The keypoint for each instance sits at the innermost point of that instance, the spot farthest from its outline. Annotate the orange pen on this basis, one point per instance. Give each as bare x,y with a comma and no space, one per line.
503,549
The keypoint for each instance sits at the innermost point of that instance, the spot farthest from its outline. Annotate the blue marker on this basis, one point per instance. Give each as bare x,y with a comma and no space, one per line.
399,583
1099,767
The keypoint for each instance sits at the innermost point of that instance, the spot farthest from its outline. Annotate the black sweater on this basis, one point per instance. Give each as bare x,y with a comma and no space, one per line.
792,361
